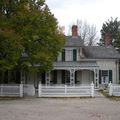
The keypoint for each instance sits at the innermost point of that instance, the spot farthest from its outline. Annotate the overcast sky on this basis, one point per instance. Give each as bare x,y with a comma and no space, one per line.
93,11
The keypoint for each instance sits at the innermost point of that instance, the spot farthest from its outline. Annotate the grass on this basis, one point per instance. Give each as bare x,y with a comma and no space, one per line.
105,93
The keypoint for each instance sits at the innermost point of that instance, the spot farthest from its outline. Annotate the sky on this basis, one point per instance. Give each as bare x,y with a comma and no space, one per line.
95,12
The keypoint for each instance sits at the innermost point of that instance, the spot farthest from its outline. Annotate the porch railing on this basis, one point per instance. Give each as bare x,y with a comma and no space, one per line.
114,89
66,91
11,90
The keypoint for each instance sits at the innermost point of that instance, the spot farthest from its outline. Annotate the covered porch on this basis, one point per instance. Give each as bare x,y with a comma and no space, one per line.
71,77
65,79
65,73
72,74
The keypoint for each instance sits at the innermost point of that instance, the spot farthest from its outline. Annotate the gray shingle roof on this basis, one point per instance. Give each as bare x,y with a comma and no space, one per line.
100,52
73,41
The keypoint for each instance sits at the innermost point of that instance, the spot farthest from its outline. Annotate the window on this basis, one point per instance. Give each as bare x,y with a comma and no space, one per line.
74,55
104,72
99,76
105,76
63,76
110,75
63,55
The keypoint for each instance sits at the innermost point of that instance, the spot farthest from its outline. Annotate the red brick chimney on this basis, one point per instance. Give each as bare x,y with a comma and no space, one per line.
107,39
74,31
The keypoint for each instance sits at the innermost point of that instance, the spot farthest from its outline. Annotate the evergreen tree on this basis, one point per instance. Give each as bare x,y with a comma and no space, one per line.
111,27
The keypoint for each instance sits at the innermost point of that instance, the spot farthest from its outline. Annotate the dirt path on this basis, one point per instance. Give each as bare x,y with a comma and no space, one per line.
98,108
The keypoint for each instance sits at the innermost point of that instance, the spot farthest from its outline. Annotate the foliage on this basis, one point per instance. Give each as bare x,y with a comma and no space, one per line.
10,46
28,27
112,27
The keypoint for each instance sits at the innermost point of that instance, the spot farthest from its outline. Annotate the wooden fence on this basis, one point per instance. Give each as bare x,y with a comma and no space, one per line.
11,90
114,89
66,91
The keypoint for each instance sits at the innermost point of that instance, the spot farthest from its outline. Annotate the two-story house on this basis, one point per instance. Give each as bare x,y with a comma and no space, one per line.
78,64
75,68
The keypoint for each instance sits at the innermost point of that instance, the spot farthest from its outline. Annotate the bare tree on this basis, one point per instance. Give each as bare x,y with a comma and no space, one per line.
87,32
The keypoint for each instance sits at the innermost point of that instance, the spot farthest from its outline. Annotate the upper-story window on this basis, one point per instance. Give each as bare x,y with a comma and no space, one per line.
63,55
74,55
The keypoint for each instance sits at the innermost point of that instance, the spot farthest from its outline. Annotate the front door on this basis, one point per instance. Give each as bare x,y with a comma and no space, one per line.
85,77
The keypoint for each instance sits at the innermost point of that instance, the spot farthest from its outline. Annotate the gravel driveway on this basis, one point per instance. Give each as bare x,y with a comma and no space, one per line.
98,108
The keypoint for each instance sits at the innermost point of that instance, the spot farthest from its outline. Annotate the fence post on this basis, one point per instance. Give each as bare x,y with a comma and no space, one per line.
110,89
65,89
39,89
92,90
21,90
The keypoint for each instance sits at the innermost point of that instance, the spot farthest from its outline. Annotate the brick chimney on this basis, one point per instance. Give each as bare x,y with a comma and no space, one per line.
107,39
74,31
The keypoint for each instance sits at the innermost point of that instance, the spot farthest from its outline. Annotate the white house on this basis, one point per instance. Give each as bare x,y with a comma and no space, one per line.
75,68
80,65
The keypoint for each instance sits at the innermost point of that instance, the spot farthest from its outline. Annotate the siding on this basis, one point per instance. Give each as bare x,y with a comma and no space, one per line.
69,54
107,64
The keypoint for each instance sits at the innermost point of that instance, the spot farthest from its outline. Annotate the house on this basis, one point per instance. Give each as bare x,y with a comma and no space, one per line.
78,64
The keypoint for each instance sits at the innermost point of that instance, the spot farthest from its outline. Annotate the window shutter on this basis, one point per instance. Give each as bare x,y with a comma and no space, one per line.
110,76
55,77
63,55
63,76
75,77
99,76
74,55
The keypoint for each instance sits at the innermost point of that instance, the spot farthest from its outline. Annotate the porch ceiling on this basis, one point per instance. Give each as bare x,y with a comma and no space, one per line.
82,64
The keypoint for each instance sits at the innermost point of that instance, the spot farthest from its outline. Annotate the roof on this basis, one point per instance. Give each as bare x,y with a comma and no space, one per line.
76,64
100,52
73,41
92,52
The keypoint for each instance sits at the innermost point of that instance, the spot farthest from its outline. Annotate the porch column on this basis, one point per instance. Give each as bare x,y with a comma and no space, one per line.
72,77
96,78
47,78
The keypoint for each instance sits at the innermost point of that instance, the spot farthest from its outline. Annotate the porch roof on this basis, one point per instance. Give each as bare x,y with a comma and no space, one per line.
82,64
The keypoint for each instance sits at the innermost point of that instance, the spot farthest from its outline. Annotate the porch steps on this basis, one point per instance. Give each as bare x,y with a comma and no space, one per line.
98,94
